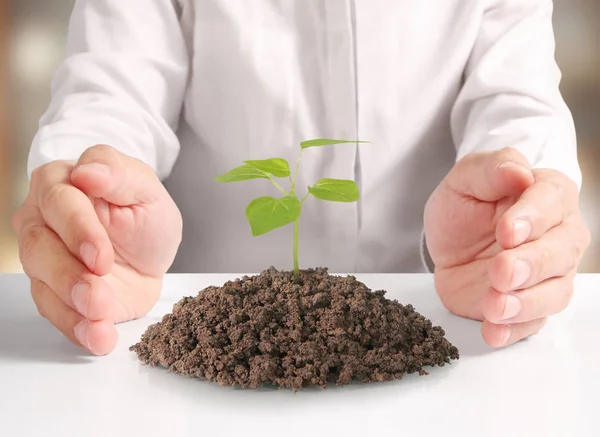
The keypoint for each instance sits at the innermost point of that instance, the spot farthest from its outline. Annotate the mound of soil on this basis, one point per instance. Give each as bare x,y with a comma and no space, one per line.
293,332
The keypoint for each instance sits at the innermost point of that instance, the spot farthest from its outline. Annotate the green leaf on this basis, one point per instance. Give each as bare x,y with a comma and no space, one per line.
242,173
278,167
267,213
326,142
336,190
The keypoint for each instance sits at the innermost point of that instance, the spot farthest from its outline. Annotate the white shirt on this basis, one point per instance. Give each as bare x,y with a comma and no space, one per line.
194,88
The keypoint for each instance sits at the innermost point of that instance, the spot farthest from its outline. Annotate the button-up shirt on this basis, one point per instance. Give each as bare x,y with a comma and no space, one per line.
195,87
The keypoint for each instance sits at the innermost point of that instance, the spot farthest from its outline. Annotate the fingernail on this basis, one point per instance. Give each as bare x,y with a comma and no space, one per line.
89,254
521,272
80,296
81,333
521,231
509,164
95,167
512,307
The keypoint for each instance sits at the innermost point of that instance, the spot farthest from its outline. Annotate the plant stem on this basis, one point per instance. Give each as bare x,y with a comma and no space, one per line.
297,221
276,185
296,172
296,268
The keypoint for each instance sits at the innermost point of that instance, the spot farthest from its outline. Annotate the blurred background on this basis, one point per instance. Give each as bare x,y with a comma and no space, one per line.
32,38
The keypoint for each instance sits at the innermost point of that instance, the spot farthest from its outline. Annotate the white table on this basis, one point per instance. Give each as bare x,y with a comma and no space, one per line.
546,386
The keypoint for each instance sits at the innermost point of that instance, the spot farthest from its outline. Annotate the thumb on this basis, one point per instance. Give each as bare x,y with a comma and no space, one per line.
103,172
491,176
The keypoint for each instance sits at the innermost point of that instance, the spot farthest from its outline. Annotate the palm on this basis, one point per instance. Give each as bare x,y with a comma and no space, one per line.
462,229
107,233
143,230
137,233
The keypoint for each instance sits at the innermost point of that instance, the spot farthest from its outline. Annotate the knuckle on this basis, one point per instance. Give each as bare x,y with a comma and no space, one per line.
51,196
38,173
38,176
544,261
580,244
37,291
67,280
509,154
65,275
553,191
46,175
78,230
27,263
102,151
29,240
556,188
102,154
102,148
490,308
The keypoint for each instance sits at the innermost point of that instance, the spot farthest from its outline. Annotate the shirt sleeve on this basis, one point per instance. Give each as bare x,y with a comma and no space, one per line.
122,83
511,95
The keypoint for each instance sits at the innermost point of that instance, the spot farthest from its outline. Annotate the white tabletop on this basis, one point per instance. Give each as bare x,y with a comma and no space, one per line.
545,386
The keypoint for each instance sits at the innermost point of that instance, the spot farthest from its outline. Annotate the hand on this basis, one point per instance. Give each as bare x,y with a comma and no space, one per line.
95,238
506,242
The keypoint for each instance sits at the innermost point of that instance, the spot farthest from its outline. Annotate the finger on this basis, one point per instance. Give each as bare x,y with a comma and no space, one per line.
70,214
545,204
45,257
555,254
105,173
99,337
490,177
504,335
542,300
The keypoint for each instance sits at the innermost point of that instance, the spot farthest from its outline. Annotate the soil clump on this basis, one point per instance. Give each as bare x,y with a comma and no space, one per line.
275,328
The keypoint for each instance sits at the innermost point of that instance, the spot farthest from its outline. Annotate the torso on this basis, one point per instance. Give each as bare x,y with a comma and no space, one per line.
267,74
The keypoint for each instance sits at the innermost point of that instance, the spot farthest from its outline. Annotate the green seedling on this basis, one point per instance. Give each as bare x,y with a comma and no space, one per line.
267,213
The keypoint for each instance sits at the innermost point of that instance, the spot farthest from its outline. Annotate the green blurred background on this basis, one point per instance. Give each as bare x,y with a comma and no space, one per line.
32,37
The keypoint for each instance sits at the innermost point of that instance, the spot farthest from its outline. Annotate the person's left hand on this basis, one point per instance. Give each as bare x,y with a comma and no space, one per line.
506,242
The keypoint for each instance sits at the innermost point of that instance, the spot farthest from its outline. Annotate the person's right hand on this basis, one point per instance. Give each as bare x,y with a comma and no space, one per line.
96,238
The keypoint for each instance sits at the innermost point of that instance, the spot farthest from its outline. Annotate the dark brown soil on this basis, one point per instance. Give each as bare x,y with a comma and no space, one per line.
293,332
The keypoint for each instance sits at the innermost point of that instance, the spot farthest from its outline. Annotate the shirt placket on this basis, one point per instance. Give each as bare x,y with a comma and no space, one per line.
342,86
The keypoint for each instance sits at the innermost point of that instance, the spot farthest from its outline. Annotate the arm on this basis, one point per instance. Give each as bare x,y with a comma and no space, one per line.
511,95
511,92
122,83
